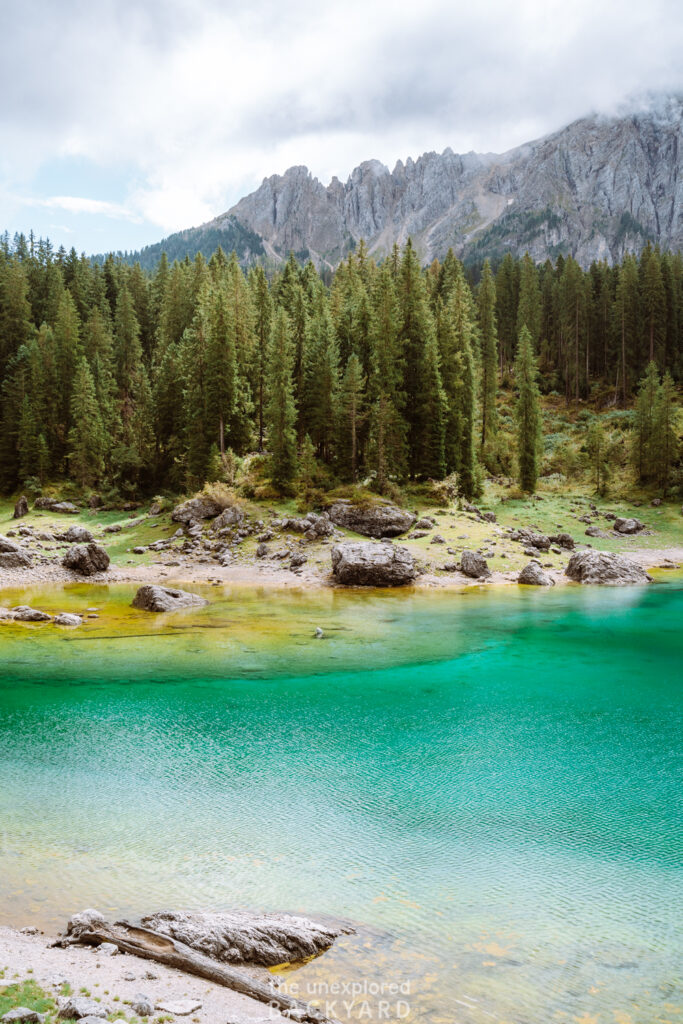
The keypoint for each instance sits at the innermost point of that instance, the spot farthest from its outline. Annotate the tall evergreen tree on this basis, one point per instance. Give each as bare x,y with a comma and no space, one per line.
486,301
86,436
528,413
281,408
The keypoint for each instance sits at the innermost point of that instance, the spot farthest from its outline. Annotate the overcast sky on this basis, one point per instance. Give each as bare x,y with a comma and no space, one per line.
124,120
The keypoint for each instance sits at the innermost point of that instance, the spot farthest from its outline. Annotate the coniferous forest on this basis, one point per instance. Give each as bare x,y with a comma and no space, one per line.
136,382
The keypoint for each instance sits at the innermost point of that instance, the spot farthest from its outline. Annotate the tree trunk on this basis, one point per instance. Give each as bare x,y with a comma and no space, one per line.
150,945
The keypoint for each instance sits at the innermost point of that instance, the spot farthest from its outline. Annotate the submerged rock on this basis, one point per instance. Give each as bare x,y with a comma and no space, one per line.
365,564
23,613
473,564
151,598
533,575
606,568
67,619
243,938
86,559
21,507
371,520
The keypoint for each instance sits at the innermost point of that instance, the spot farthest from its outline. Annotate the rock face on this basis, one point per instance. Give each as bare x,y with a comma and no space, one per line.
242,938
196,508
596,189
533,575
21,508
602,567
372,520
163,599
473,564
87,559
372,565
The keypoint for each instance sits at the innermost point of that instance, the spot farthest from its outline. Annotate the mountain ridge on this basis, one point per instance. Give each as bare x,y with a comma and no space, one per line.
594,189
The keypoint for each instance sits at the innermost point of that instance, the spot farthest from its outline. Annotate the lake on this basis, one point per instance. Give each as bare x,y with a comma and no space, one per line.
486,784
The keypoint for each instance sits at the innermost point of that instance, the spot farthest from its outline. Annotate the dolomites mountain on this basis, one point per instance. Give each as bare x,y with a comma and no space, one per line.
595,189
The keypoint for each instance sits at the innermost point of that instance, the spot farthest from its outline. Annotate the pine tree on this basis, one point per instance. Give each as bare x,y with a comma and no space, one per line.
351,414
529,307
263,314
388,455
528,413
86,437
127,340
626,317
507,286
665,442
654,305
320,381
598,450
646,402
486,301
281,408
28,446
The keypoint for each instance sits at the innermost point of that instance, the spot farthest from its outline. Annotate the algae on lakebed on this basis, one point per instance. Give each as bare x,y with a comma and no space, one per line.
484,782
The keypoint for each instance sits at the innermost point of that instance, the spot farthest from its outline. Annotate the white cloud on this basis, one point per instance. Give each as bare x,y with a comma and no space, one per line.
203,98
78,204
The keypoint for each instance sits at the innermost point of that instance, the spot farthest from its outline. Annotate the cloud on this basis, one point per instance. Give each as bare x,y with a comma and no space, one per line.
203,98
77,204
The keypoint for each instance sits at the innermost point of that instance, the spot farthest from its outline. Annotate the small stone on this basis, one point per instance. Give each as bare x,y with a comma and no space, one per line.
139,550
129,976
29,930
108,948
22,1015
142,1005
319,634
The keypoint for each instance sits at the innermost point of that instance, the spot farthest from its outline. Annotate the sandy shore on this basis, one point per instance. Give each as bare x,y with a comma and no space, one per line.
107,977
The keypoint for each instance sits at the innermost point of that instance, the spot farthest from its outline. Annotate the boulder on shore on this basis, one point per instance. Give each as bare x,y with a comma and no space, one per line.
473,564
243,938
196,508
164,599
563,540
526,536
628,525
17,559
371,520
533,575
21,508
78,535
7,545
86,559
22,613
364,564
606,568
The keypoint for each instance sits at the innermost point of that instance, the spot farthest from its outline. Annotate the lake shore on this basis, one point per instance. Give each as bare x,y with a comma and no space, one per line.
261,573
116,980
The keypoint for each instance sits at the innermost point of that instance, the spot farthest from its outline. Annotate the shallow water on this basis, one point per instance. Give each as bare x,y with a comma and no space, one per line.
486,784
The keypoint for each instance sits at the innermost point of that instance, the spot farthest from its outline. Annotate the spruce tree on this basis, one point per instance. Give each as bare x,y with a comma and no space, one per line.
281,408
86,436
486,303
643,449
527,412
598,450
388,429
529,307
263,314
351,415
319,390
666,444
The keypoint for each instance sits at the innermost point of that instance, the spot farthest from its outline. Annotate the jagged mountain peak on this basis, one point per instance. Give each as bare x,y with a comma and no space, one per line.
599,187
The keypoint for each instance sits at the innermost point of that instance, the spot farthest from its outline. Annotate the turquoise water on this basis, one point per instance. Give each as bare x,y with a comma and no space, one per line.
485,784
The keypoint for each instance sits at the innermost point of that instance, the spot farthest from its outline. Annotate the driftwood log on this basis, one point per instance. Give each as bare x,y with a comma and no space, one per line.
93,930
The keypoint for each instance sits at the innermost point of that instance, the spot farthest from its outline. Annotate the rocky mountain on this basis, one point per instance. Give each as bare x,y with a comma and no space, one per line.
595,189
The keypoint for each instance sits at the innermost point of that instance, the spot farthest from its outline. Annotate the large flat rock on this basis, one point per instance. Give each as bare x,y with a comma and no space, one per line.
244,938
605,568
362,563
165,599
371,520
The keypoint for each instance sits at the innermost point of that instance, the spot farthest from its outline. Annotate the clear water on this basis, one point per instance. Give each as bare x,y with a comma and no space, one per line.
485,784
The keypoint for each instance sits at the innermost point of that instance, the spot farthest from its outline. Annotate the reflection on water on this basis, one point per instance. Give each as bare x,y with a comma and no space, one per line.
484,783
